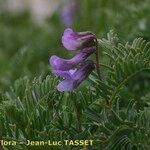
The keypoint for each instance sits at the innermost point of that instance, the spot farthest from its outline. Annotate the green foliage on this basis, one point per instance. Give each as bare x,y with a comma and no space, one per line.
26,47
129,18
114,111
124,63
35,110
126,115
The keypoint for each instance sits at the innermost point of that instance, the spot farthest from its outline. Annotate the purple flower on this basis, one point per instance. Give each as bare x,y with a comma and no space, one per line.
58,63
74,79
69,12
77,40
76,69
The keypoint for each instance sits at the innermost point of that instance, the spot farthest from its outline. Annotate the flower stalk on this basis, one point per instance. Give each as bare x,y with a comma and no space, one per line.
97,60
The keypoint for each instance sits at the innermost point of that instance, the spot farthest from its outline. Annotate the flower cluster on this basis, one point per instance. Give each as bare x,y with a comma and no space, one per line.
76,69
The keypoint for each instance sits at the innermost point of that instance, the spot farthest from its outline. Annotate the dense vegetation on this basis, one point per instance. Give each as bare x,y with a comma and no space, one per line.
114,111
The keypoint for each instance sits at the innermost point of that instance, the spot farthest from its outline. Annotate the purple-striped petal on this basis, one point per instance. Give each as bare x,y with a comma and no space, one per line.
58,63
77,77
77,40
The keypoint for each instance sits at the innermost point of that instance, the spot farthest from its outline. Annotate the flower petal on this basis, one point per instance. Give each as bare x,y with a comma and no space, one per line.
61,64
77,40
63,74
66,85
77,77
58,63
83,71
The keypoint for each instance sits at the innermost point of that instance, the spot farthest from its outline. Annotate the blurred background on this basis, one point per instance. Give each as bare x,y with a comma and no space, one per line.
31,30
31,108
39,10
